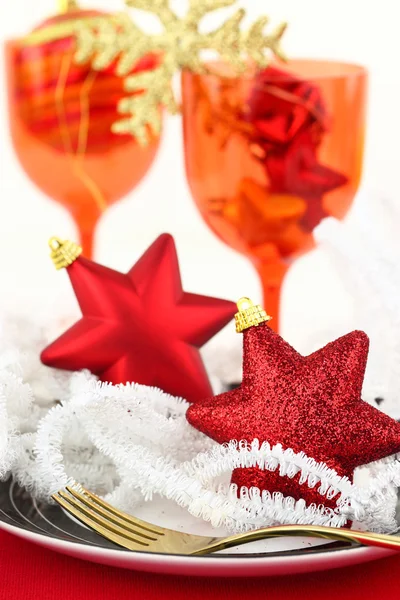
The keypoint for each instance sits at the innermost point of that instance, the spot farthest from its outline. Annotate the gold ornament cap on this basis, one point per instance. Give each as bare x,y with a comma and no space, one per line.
249,315
63,253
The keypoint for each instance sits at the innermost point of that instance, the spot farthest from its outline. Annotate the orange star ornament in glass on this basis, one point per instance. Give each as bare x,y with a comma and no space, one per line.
311,404
138,327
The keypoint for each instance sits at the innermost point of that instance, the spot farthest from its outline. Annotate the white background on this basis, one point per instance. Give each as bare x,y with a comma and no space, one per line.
359,31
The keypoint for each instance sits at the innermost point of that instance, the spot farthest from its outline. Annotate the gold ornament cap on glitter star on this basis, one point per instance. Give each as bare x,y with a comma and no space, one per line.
249,315
63,252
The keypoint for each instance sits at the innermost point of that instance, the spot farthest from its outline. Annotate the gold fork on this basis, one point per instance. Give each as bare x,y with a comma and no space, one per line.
133,534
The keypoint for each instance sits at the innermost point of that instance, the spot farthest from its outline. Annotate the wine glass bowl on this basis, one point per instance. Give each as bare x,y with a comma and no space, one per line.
60,116
270,153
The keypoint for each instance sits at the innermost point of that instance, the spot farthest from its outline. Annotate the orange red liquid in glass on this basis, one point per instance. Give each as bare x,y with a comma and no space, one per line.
268,157
60,118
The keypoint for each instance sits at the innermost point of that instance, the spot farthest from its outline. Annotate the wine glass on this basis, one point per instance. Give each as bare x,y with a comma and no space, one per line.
60,117
270,153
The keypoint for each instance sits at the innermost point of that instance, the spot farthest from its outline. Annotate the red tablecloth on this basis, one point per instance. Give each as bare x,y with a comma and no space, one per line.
28,572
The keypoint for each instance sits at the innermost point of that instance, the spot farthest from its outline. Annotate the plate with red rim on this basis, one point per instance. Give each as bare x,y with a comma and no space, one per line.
49,526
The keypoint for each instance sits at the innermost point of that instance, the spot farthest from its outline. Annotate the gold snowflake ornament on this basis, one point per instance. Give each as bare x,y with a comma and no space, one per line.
179,46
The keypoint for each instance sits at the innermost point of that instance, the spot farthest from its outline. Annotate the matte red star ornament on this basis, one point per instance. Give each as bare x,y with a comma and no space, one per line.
138,327
311,404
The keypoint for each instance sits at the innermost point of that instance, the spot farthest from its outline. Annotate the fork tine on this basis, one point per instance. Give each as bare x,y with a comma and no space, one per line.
118,513
113,516
103,531
103,522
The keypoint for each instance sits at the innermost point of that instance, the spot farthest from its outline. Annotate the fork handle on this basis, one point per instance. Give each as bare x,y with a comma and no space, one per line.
315,531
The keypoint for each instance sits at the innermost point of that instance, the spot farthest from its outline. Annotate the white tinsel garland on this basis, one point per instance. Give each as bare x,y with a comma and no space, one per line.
131,442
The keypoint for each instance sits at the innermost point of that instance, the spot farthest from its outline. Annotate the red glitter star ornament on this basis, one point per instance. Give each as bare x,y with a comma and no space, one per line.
140,326
311,404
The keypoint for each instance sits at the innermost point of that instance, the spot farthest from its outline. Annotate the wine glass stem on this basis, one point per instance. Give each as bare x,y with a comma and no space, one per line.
86,222
272,274
87,242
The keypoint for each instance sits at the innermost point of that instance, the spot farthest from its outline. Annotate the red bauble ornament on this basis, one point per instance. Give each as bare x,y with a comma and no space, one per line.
311,404
60,101
140,326
61,115
282,105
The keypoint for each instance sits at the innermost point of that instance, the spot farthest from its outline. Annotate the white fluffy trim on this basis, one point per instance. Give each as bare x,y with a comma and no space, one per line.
130,442
148,440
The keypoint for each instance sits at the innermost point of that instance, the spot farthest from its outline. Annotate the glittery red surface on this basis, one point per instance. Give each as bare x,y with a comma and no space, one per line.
141,326
310,404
